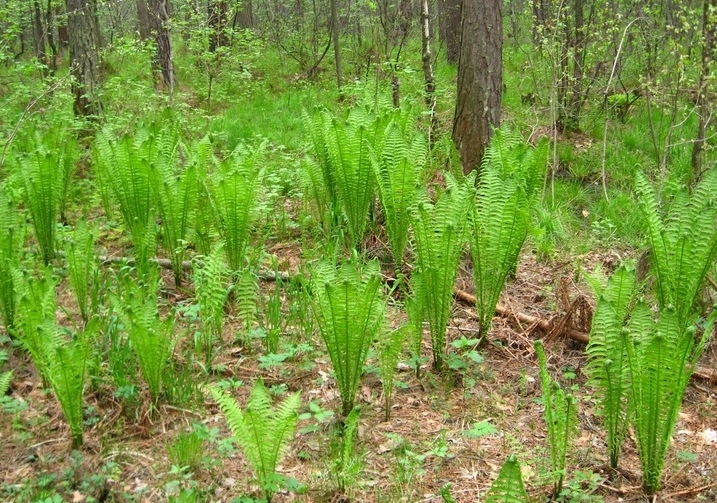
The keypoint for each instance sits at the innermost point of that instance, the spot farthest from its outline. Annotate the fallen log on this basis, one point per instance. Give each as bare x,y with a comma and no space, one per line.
545,326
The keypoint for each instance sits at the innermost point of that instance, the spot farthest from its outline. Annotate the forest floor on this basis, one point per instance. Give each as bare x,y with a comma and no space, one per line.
439,432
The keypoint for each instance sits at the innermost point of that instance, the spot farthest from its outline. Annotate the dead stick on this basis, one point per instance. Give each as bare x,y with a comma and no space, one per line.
544,325
687,492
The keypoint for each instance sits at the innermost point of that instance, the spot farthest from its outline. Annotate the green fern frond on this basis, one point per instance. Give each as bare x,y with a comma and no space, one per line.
560,416
389,352
263,432
246,293
608,366
349,309
12,237
211,285
508,487
81,265
347,464
440,233
5,380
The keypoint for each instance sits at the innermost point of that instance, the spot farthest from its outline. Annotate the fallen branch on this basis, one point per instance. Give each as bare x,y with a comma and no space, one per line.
546,326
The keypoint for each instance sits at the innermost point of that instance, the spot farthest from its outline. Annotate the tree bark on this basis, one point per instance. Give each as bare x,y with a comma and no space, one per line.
704,108
84,42
217,17
449,26
427,59
39,34
480,80
162,62
337,48
143,20
244,16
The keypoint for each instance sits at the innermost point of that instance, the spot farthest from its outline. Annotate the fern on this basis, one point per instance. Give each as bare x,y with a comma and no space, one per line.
81,266
389,351
11,241
246,293
349,310
45,172
608,366
211,285
440,232
263,432
560,416
501,218
5,380
234,192
398,172
151,338
347,465
176,197
123,167
683,244
508,487
662,356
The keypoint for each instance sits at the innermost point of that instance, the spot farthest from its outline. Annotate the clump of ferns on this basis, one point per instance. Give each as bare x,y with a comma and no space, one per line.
342,177
263,431
561,418
389,352
211,290
608,366
398,163
60,358
12,238
123,169
45,170
82,269
349,308
510,174
151,337
440,231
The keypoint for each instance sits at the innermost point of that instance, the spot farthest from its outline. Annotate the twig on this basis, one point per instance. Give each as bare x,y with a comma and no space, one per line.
692,490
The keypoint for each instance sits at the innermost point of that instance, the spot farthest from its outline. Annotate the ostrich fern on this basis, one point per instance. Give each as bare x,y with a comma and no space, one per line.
398,172
263,432
81,265
123,167
608,366
662,355
508,487
683,243
561,418
211,284
12,237
349,309
510,174
440,233
234,192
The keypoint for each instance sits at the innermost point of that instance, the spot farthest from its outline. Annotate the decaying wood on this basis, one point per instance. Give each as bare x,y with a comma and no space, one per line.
546,326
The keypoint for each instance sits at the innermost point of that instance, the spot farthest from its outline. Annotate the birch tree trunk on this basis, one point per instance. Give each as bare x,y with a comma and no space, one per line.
428,64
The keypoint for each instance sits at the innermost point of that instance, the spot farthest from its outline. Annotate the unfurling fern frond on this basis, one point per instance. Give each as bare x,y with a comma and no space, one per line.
560,416
389,352
397,168
440,233
123,167
683,243
211,285
12,237
662,356
234,192
151,338
349,309
510,174
263,432
175,194
608,366
508,487
81,265
45,172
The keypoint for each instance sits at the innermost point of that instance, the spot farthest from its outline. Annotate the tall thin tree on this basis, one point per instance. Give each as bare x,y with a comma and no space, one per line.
84,44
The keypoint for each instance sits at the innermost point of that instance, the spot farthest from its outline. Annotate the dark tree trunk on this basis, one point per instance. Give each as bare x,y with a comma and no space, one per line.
84,42
449,26
217,17
162,62
244,17
337,48
704,107
542,15
143,20
62,36
50,37
480,80
40,36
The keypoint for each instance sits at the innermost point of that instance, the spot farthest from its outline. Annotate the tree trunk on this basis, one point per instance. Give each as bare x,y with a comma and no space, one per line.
704,108
143,20
84,44
450,27
217,18
337,49
480,79
428,65
39,35
50,37
244,16
162,62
